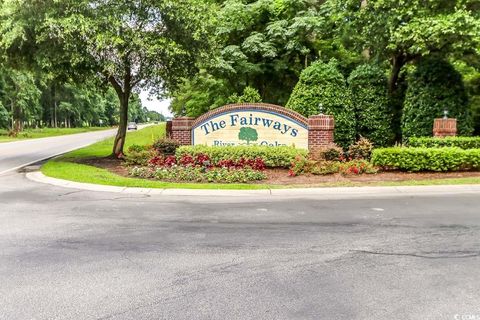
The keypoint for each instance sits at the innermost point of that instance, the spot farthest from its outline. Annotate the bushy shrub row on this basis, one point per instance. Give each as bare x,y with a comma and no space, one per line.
303,165
278,157
459,142
427,159
198,174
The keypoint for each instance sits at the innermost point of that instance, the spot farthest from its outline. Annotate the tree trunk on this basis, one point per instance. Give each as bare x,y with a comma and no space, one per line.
122,127
397,64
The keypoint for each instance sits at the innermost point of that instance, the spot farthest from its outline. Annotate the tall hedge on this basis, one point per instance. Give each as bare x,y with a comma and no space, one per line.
432,87
322,83
368,85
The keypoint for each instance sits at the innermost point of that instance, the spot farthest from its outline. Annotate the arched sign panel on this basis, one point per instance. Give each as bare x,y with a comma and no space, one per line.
256,124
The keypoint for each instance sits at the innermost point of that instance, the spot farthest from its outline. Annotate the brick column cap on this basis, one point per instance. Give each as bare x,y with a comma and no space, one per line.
321,122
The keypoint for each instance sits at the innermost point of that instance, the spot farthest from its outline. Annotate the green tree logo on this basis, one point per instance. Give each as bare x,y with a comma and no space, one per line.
248,134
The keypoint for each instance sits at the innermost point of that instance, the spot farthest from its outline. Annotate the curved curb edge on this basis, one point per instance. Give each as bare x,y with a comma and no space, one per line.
320,193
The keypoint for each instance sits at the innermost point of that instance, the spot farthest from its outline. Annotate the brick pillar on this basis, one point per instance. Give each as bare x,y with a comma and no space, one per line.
320,131
445,128
182,130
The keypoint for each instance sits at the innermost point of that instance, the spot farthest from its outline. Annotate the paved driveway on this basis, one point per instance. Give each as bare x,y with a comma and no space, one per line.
16,154
69,254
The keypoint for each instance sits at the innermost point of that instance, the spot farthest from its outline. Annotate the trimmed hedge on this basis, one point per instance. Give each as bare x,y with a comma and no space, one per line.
274,157
432,87
368,84
458,142
322,83
427,159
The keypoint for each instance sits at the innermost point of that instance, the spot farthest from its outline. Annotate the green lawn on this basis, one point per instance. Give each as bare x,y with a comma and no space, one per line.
65,168
44,133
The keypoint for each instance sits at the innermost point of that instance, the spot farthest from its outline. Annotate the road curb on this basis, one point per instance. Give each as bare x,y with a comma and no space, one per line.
324,193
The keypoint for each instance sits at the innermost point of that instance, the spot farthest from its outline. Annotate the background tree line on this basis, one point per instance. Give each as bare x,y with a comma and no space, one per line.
365,61
384,68
29,100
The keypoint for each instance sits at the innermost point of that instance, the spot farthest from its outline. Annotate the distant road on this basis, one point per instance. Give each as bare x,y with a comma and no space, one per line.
15,155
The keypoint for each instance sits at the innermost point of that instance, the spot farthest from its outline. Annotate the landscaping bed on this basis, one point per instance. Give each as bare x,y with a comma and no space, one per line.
280,177
275,167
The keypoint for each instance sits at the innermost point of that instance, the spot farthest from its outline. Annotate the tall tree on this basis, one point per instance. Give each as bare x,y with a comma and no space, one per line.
404,31
131,44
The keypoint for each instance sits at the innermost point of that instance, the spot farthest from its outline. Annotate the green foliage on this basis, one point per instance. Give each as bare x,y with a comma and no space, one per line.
198,174
302,165
248,134
355,167
322,84
4,117
368,84
330,152
361,150
131,45
166,146
459,142
427,159
139,155
403,31
433,87
199,94
272,156
250,95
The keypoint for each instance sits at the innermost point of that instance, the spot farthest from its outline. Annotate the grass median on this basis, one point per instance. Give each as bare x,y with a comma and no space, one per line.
45,133
67,168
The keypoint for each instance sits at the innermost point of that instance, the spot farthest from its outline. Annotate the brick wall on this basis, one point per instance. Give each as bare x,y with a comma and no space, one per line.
182,130
320,131
444,128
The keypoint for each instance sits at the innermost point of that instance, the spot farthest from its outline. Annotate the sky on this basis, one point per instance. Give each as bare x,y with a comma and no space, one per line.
155,105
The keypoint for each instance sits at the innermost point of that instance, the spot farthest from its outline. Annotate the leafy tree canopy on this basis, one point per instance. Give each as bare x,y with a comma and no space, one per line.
130,44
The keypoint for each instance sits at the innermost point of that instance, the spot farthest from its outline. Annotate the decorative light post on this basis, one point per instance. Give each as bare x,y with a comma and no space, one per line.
445,127
321,109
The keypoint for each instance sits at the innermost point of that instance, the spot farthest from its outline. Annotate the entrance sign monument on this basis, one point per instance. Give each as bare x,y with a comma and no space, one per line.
254,124
250,127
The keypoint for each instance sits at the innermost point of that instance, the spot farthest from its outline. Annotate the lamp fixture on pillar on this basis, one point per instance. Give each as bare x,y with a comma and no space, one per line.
320,108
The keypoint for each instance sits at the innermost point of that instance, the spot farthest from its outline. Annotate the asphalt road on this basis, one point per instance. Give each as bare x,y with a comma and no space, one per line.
14,155
71,254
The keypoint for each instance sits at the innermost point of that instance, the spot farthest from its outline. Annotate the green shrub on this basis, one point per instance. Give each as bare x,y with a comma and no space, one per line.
330,152
427,159
272,156
302,165
459,142
198,174
433,87
356,167
322,84
368,85
166,146
325,167
139,155
361,150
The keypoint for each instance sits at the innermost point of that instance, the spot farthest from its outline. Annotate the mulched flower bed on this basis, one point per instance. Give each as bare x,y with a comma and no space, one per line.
281,177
